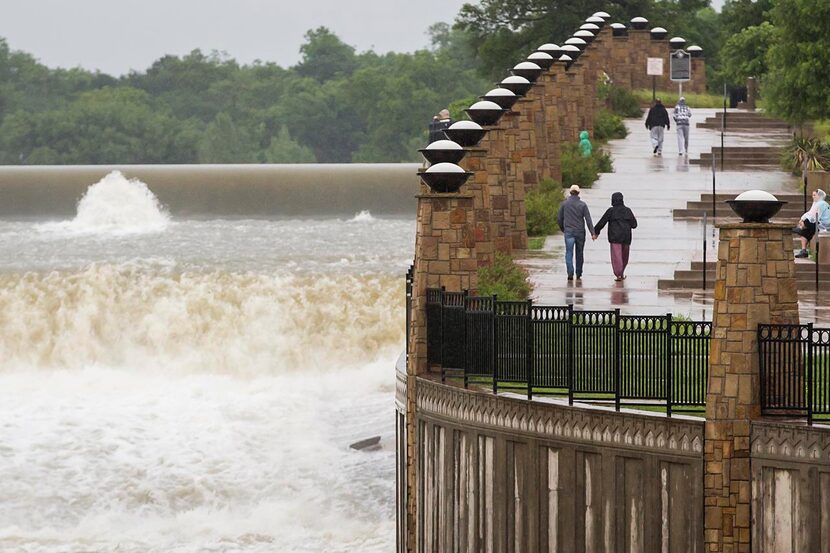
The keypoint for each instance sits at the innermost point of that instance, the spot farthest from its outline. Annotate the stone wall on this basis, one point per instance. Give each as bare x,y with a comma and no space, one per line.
501,475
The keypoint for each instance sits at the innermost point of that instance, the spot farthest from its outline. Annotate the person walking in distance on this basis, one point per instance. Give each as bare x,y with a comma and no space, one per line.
657,122
682,114
572,218
620,220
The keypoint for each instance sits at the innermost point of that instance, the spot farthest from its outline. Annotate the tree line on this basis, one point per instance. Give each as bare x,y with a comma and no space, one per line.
335,105
339,105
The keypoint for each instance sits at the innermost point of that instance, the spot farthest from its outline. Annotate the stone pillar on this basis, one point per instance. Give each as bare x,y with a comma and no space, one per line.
553,142
755,284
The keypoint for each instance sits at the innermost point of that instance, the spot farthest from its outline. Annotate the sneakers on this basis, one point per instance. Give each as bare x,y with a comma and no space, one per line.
802,254
680,153
570,277
655,150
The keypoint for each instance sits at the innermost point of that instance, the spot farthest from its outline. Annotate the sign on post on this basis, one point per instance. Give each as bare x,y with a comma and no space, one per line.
654,67
681,66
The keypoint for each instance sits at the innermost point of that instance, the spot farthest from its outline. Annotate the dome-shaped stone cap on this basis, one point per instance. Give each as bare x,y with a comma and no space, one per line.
485,105
583,34
694,50
539,56
527,66
677,39
659,30
570,48
589,27
639,23
515,79
604,15
549,48
500,92
566,58
756,196
445,168
575,41
595,19
677,42
617,26
466,125
446,144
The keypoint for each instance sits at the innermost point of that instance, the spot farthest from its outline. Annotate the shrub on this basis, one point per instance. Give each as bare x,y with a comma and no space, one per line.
457,108
505,279
694,100
608,126
809,153
620,101
542,206
583,171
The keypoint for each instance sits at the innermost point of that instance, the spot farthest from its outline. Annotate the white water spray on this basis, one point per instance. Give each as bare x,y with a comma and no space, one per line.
117,205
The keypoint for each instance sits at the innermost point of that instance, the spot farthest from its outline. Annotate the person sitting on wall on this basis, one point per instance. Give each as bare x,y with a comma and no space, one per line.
817,218
657,123
439,124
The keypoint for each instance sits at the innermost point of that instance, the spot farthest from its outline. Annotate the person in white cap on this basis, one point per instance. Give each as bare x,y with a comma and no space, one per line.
572,218
682,114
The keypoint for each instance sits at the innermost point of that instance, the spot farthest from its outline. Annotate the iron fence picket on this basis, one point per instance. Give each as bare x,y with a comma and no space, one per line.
594,352
689,362
819,383
453,334
784,355
644,363
551,330
479,316
511,328
434,333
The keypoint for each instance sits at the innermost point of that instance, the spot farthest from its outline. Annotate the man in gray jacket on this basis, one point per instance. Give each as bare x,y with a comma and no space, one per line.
572,218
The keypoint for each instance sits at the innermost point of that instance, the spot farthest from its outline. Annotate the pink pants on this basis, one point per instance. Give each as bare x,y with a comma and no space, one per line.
619,258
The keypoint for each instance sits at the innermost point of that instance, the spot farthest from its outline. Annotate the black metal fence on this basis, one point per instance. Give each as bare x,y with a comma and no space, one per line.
585,355
794,370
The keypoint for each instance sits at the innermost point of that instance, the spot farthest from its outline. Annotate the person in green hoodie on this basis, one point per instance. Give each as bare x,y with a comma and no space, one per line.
585,144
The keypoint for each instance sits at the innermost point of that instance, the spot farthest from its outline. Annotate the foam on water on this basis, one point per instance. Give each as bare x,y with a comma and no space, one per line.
363,217
116,205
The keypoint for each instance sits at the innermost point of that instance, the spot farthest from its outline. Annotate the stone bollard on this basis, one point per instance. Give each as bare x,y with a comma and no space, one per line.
755,284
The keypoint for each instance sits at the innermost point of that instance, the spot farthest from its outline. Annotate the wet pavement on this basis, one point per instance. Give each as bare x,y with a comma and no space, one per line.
652,187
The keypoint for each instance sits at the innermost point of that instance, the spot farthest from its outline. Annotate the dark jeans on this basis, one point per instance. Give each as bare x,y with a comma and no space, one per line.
578,241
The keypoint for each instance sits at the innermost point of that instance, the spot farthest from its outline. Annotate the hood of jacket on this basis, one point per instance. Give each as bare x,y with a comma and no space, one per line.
617,199
583,135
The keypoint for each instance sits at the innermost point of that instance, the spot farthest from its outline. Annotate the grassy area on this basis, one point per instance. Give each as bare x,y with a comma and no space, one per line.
670,98
536,242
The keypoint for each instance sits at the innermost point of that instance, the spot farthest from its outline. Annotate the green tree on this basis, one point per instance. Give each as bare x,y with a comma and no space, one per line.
737,15
325,56
799,61
283,149
224,142
745,54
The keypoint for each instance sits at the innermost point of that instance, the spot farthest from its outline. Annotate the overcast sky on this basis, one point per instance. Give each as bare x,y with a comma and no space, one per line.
116,36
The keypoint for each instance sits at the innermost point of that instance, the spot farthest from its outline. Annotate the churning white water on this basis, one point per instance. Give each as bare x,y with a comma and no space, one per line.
117,205
196,388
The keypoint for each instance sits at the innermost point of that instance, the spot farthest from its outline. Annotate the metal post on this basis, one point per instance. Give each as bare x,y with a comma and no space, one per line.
804,186
441,341
714,194
653,88
807,387
669,364
617,359
495,348
570,355
529,353
465,363
704,251
722,128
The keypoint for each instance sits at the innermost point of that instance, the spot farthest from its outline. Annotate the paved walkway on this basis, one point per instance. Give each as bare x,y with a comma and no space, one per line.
652,187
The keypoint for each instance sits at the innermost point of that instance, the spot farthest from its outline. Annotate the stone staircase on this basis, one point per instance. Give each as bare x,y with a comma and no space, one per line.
692,278
742,157
744,121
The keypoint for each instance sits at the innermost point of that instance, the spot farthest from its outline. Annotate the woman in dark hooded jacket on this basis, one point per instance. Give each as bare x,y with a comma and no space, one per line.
620,221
